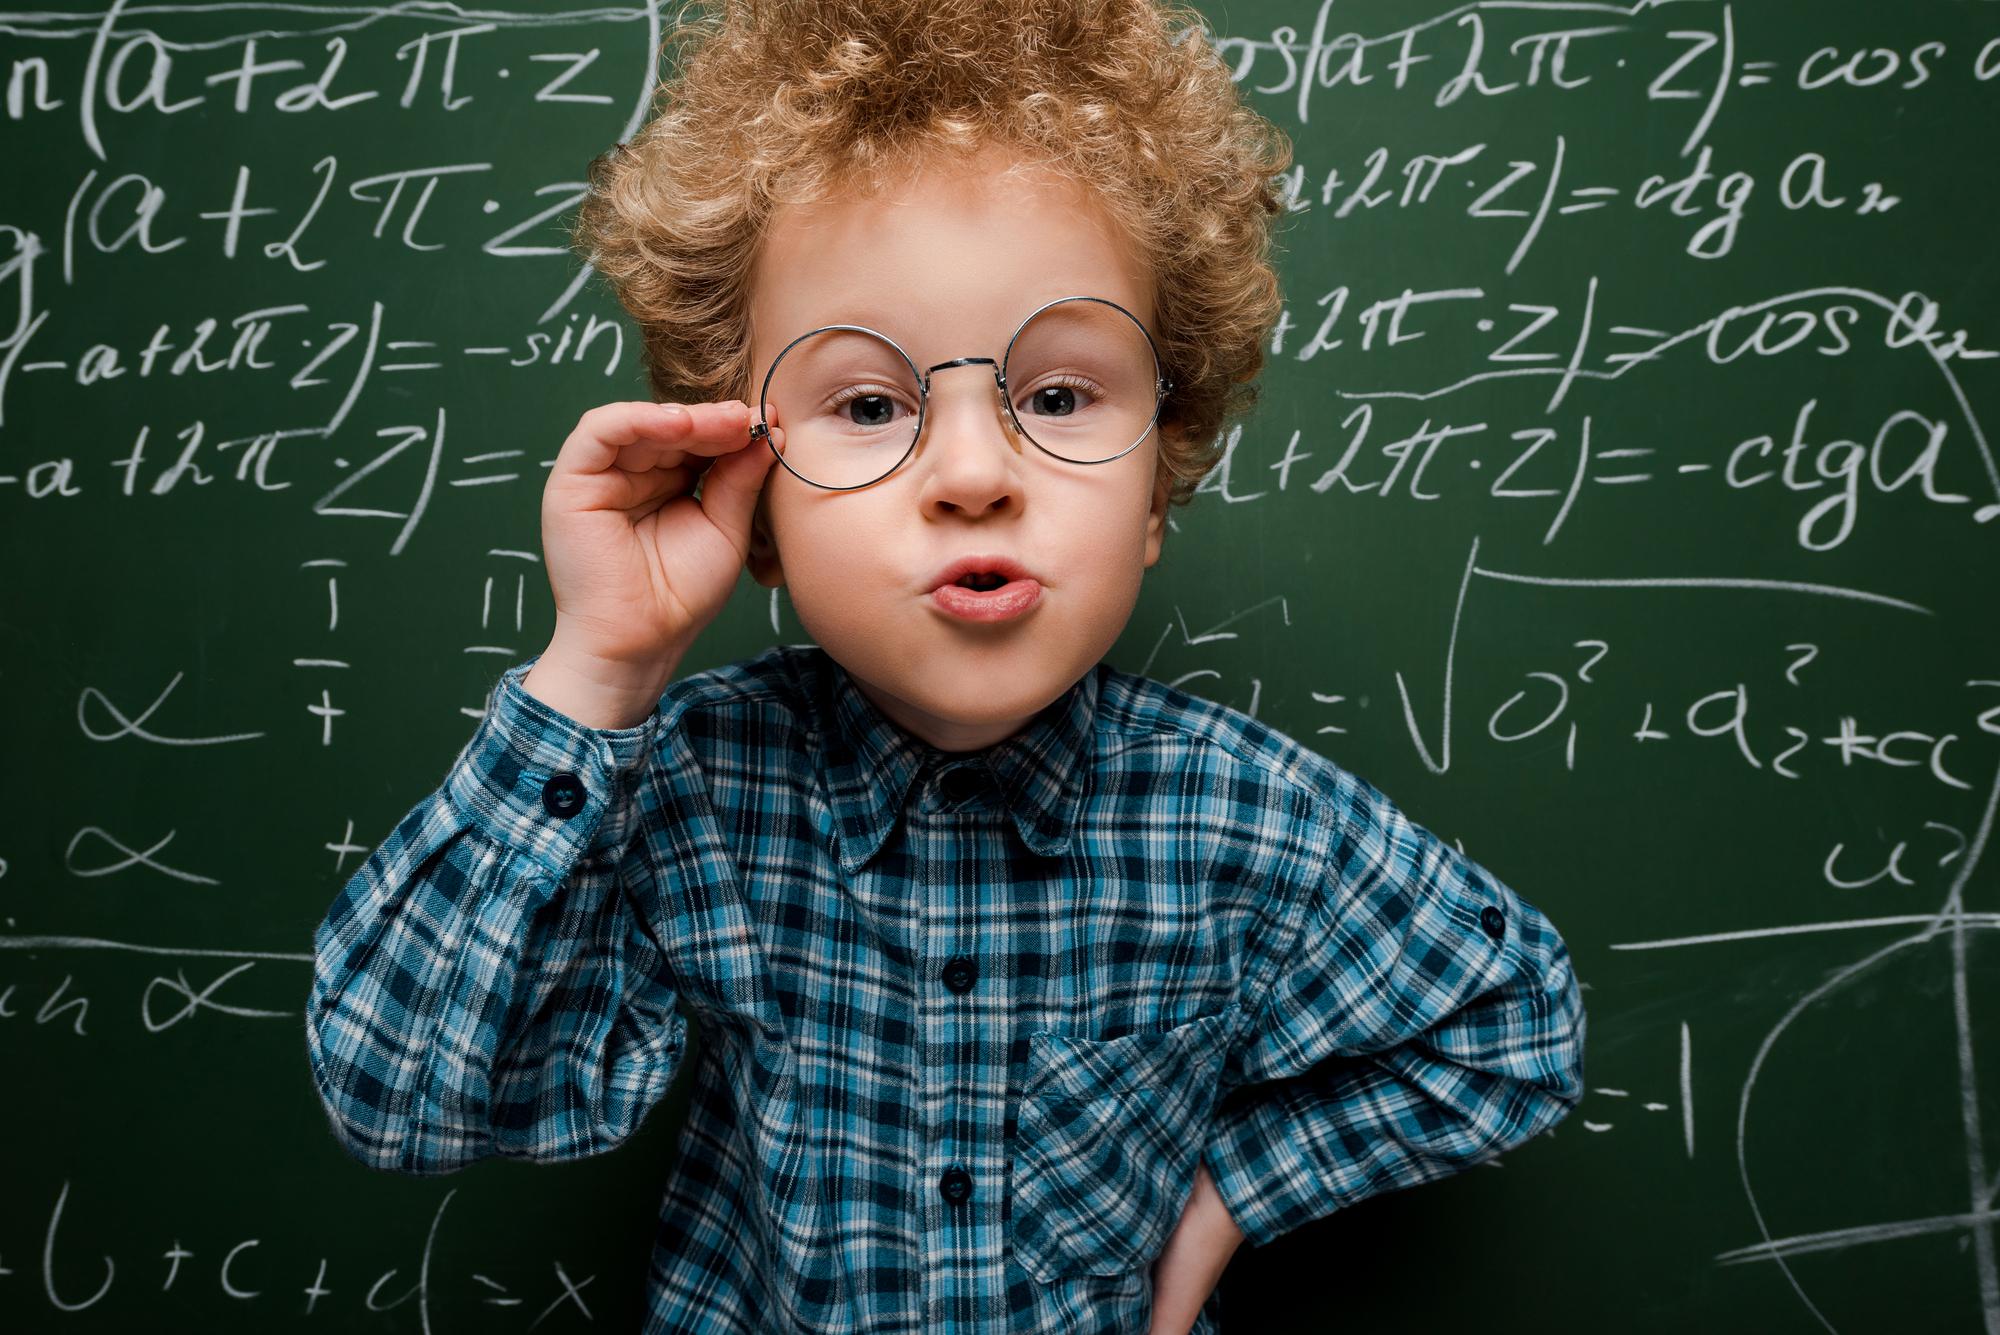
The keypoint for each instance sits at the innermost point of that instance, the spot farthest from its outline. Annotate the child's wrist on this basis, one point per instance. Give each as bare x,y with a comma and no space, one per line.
597,690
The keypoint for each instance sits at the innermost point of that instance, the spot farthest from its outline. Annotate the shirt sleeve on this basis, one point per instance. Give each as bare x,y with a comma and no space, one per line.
483,984
1427,1020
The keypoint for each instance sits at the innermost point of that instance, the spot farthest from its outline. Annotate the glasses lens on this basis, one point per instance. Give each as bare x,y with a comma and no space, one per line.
846,403
1083,381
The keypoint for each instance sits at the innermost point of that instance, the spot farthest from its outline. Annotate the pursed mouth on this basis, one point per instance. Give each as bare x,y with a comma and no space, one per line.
985,588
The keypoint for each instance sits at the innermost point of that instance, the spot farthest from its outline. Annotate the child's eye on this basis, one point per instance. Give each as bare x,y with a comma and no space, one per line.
1055,401
870,410
868,407
1060,400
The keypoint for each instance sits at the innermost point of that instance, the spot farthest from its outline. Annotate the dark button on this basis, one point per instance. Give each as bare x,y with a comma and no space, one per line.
563,796
1494,921
961,785
960,972
955,1186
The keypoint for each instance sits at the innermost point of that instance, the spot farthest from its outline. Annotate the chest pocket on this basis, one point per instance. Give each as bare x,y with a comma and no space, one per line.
1107,1139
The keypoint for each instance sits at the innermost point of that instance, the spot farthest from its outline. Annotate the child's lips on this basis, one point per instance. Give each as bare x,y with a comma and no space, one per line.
1010,600
984,586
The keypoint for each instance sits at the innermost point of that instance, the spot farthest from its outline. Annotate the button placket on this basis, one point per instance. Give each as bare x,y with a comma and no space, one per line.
960,973
955,838
932,829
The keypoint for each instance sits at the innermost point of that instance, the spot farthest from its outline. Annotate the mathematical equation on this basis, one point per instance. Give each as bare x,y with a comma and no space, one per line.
1699,66
244,1273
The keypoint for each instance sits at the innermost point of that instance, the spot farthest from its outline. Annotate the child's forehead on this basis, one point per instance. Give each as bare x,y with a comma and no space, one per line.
982,189
965,235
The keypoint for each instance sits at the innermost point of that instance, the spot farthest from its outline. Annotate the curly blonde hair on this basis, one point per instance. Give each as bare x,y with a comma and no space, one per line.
781,102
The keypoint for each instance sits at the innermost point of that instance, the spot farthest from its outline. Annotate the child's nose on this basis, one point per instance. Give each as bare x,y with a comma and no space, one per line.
970,445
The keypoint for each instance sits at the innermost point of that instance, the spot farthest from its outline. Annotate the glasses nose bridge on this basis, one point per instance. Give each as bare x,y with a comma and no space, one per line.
999,377
999,385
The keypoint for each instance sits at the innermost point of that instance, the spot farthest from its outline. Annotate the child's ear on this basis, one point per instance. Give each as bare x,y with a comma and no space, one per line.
766,566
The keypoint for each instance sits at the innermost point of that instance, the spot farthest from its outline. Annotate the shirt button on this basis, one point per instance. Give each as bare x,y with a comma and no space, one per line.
955,1186
960,972
563,796
960,785
1494,921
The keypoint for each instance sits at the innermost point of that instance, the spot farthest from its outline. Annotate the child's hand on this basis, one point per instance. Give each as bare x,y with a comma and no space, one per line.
638,564
1194,1259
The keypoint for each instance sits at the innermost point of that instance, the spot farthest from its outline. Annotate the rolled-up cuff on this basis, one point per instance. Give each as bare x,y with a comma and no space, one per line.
536,780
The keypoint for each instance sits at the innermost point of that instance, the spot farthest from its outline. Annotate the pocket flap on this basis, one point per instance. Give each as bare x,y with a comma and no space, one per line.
1064,1067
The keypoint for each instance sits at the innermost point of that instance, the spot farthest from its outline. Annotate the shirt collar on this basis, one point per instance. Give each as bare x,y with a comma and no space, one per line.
871,765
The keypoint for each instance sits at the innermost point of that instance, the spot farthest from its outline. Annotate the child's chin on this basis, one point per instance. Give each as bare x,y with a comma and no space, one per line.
979,705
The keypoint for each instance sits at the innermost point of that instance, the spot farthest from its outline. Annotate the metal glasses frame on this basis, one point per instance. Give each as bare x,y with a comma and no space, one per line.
1162,387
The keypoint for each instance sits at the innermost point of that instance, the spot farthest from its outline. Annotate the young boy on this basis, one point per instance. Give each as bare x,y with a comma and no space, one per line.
1027,988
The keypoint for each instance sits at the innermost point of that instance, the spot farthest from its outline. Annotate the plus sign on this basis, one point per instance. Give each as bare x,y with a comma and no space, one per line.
246,74
1851,743
236,213
327,714
316,1292
345,846
176,1254
1284,326
1292,456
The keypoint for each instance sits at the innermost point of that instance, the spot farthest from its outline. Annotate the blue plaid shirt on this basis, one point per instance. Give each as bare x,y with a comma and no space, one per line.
969,1021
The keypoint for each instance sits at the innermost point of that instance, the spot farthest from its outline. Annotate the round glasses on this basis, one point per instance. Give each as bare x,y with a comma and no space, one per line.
1081,379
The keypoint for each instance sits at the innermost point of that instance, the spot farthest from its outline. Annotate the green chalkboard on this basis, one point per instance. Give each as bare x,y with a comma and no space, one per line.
1619,500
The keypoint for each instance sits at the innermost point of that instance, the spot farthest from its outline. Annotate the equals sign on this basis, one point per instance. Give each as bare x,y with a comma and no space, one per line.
1624,477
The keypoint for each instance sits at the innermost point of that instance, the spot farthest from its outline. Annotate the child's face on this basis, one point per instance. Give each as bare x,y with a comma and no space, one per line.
948,266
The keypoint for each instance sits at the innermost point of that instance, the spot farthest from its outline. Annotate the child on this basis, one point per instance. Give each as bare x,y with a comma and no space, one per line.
1027,988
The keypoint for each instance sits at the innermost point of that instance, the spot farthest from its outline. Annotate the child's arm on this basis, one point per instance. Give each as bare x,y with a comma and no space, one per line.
483,985
487,983
1427,1021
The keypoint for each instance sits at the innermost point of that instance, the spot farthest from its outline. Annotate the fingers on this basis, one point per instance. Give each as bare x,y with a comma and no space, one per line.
717,428
601,433
636,437
637,493
707,429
